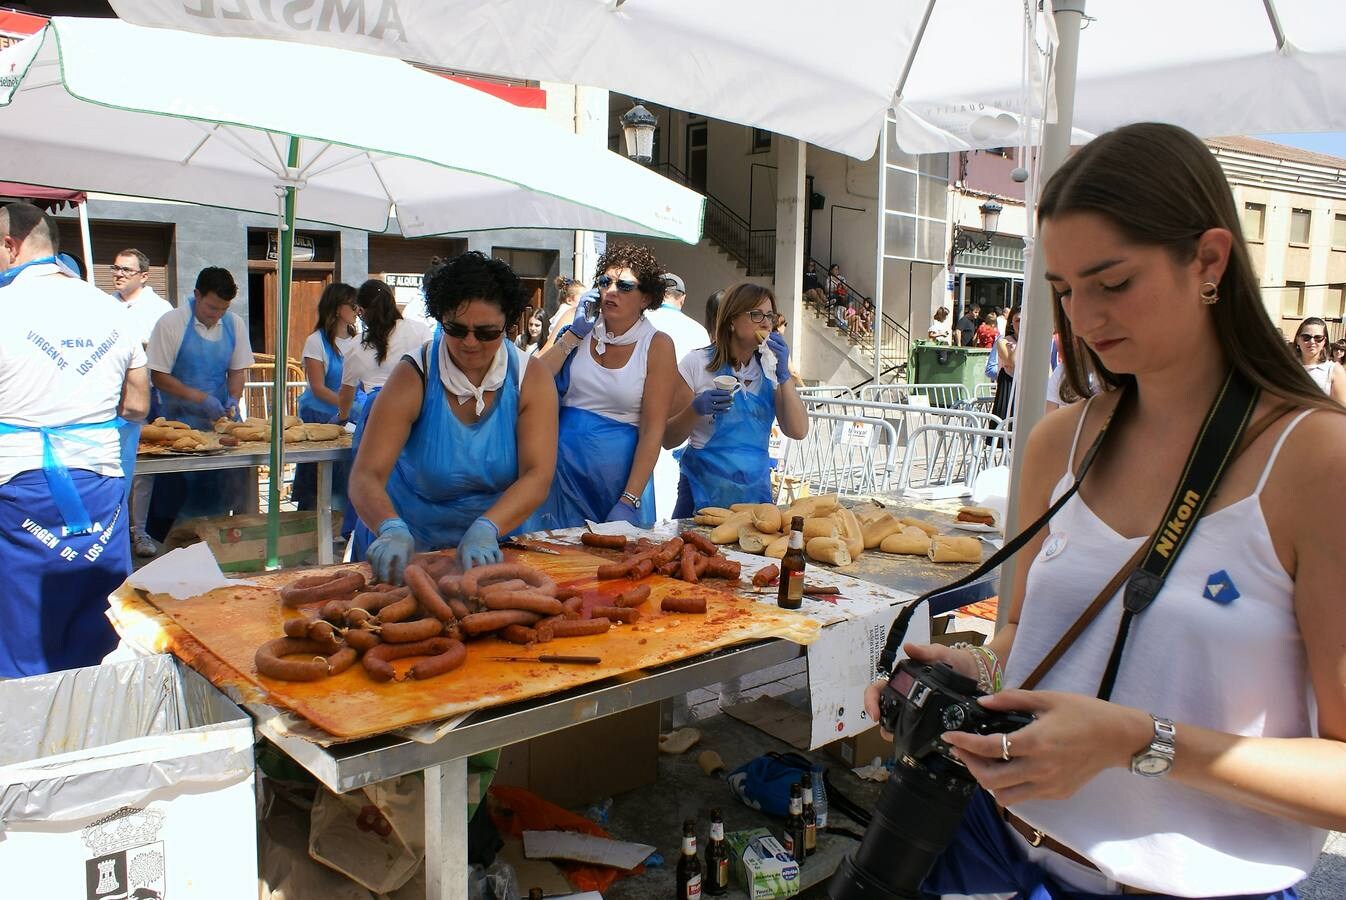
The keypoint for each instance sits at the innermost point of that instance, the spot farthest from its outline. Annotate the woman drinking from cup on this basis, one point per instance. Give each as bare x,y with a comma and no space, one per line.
615,377
730,394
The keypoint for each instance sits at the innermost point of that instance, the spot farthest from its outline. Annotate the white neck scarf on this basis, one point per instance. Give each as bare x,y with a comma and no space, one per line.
458,384
602,337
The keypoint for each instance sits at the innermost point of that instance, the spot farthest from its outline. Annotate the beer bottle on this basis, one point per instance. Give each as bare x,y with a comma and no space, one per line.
810,819
794,825
535,893
791,592
717,857
689,867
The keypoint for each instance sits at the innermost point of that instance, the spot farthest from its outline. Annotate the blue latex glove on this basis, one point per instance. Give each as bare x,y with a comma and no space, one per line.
582,324
211,408
713,401
623,512
782,351
336,419
480,545
390,551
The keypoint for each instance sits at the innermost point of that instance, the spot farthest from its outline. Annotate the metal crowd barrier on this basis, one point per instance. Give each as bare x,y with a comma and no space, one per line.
951,396
985,390
952,455
842,454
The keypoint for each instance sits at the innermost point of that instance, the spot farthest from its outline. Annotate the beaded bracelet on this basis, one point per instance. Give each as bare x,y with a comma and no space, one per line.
983,674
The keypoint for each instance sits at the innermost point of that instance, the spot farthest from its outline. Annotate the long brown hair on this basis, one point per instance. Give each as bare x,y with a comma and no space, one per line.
334,296
381,315
1324,354
737,299
1161,187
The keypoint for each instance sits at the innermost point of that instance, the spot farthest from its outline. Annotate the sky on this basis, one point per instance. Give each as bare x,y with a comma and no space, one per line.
1332,143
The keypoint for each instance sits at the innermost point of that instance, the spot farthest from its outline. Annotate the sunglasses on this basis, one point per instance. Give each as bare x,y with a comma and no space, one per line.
123,270
1313,338
603,282
483,333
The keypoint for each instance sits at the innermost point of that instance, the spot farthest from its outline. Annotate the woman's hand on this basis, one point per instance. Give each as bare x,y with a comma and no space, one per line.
961,661
1074,738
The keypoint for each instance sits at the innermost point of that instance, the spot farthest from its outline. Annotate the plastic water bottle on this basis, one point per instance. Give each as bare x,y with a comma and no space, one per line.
598,812
820,801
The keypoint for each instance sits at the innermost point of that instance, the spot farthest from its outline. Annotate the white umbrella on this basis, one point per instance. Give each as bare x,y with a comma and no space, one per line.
108,106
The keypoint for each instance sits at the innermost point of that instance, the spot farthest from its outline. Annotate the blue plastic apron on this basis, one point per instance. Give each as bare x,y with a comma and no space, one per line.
593,461
984,858
359,415
311,409
450,473
128,433
734,465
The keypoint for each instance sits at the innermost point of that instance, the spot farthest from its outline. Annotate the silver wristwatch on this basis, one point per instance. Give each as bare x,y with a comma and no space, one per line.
632,499
1157,759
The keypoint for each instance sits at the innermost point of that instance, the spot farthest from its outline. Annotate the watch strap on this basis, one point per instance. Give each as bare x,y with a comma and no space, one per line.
631,499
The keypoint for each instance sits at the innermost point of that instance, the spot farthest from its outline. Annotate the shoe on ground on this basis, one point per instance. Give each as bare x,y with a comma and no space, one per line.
142,545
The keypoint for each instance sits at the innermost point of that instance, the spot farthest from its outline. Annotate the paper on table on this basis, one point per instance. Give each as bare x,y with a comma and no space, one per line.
184,573
585,848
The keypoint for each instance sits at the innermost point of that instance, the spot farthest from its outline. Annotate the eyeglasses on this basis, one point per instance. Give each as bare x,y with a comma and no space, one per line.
1313,338
123,270
483,333
603,282
758,316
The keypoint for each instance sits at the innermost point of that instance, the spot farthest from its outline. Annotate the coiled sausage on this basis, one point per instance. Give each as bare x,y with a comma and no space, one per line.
378,661
407,632
338,585
525,600
474,578
271,662
483,622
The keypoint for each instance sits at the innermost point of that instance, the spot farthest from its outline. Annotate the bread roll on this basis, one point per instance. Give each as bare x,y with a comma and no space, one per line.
828,550
776,549
848,529
750,540
921,524
907,543
979,515
295,435
170,423
766,518
323,432
727,531
948,549
820,526
879,527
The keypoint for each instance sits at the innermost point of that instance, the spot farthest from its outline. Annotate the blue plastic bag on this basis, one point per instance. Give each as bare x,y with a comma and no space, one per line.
764,783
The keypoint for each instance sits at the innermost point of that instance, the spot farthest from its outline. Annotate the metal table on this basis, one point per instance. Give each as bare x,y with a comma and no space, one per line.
249,458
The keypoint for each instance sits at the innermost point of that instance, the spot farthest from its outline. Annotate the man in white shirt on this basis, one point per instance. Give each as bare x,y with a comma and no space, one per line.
131,283
68,368
199,357
688,334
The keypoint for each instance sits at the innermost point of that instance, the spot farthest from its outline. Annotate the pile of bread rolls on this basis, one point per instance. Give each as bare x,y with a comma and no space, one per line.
833,534
256,429
175,436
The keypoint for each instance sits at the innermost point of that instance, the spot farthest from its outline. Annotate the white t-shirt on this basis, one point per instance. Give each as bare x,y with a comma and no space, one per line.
168,333
362,368
64,353
942,331
692,367
145,310
314,349
687,333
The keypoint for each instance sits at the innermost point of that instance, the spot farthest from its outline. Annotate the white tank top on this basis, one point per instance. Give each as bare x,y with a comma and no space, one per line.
1236,666
612,393
1321,373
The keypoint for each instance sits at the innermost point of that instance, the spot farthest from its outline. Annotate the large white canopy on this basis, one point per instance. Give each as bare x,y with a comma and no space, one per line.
826,73
102,105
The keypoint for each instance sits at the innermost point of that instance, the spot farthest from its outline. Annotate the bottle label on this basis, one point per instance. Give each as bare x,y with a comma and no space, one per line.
810,835
794,588
789,843
722,872
717,831
796,806
693,889
796,540
689,845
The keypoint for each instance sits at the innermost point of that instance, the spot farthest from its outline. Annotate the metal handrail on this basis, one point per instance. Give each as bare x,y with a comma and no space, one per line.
753,248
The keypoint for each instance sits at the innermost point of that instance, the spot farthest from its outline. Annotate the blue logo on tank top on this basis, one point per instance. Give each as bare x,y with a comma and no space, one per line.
1220,588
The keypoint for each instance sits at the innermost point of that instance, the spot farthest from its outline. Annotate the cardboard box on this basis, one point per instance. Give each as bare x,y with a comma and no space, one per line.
239,542
762,868
860,749
589,761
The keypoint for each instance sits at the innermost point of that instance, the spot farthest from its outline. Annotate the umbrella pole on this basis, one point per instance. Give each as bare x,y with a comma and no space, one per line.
284,266
85,241
1031,374
880,236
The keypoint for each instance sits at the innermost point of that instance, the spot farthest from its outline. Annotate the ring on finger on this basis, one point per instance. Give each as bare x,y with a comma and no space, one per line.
1005,747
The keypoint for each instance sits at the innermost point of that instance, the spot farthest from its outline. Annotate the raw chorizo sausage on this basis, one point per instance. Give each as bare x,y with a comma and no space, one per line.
514,584
397,612
687,570
517,634
480,623
765,576
362,639
451,586
667,552
683,605
719,567
669,570
373,601
701,542
634,597
603,541
296,627
424,590
609,571
475,577
572,607
322,587
460,609
270,660
341,660
525,600
579,627
440,663
407,632
378,661
616,614
642,569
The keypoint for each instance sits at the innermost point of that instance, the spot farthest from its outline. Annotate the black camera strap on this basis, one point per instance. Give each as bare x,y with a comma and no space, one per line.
1216,444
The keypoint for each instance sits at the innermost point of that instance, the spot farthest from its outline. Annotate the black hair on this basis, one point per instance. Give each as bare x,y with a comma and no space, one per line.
473,276
640,260
217,281
713,308
24,220
334,296
381,315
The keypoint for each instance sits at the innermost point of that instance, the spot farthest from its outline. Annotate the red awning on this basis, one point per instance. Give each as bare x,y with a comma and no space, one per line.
45,197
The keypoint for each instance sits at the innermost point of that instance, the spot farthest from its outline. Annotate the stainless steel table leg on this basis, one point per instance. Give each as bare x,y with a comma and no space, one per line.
446,831
324,513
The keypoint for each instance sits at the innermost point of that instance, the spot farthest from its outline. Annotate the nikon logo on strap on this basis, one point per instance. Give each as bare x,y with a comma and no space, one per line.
1175,526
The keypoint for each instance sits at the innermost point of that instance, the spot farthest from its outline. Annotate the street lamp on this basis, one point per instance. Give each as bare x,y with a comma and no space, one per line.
963,241
638,126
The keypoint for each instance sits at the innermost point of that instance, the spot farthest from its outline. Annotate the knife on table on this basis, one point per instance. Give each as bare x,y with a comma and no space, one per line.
552,658
517,544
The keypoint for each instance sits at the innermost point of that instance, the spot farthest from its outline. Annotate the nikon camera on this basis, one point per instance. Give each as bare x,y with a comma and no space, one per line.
922,804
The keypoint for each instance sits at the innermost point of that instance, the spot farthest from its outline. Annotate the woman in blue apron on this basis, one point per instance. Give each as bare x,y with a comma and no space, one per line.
324,353
461,446
728,425
616,378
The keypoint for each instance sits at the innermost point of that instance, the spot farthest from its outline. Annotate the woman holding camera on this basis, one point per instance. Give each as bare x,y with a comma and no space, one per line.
615,376
1218,762
729,395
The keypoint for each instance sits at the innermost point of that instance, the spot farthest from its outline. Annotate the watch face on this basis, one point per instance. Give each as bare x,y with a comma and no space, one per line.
1152,764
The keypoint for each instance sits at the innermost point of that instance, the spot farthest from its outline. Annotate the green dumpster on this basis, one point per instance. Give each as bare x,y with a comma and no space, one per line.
942,364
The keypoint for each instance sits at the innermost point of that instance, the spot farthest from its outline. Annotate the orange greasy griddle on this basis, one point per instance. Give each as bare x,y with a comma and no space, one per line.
218,634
